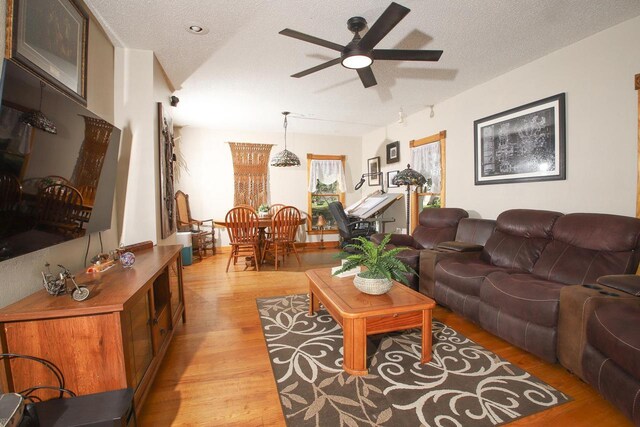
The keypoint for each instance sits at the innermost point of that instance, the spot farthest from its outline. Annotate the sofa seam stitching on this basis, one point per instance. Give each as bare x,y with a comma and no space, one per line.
589,267
557,261
517,297
612,334
600,373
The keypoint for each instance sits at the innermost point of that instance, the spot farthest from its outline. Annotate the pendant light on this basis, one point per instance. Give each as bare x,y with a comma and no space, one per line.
37,119
285,158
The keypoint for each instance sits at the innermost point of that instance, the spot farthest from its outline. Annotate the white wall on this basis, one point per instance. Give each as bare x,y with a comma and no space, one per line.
601,109
209,180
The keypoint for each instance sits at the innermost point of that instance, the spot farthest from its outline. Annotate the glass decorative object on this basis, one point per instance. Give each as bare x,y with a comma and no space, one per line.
127,259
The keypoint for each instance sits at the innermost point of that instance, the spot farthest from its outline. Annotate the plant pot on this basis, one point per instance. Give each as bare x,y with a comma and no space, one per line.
372,286
263,214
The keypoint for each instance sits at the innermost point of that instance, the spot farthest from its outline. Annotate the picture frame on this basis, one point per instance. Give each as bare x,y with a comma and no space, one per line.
373,169
393,152
390,176
49,38
523,144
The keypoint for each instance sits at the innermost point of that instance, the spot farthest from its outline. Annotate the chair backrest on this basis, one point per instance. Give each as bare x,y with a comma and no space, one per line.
342,221
52,179
284,223
183,211
475,230
242,225
275,208
60,206
10,193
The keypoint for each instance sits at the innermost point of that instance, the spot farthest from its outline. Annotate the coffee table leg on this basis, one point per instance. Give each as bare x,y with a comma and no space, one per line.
314,304
426,336
355,346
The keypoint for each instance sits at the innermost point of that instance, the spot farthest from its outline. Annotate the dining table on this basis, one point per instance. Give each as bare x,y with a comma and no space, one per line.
263,223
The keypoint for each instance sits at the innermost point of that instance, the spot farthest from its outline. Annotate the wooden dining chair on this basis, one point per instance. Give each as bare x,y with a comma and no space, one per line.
244,235
202,230
284,225
275,208
60,208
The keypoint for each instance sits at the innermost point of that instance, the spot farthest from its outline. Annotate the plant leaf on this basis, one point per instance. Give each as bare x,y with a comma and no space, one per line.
384,416
315,407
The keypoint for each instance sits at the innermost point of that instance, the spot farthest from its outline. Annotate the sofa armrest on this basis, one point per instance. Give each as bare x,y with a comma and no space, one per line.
459,246
628,283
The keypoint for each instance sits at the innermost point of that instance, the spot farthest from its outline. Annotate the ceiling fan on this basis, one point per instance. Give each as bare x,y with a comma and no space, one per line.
359,54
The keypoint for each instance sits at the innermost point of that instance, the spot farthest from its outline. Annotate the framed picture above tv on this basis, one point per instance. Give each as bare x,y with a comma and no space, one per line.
49,37
526,143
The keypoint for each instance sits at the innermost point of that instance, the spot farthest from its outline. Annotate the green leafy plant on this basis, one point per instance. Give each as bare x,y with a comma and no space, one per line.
381,263
263,208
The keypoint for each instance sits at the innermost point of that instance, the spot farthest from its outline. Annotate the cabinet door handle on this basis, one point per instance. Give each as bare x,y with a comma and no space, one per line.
155,320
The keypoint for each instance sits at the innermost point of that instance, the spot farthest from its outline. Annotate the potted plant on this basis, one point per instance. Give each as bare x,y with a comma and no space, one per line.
381,264
263,210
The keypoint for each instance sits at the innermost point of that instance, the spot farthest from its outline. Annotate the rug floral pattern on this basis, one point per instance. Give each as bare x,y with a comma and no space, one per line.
463,385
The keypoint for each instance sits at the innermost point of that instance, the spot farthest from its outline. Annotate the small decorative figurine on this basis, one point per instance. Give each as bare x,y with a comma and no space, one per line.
58,286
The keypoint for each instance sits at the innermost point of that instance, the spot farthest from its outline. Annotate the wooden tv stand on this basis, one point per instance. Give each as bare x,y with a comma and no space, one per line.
113,340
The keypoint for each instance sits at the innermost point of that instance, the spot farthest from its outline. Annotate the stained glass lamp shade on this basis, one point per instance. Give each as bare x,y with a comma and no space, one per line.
409,177
285,158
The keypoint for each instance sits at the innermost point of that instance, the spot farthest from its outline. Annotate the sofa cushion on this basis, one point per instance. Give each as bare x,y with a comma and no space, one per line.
475,230
464,275
519,238
437,225
587,246
523,296
611,330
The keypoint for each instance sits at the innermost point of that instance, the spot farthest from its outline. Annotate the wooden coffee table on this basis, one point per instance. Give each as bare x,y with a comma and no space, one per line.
360,314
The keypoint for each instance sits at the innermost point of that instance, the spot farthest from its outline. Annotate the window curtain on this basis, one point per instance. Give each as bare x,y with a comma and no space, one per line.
326,172
426,160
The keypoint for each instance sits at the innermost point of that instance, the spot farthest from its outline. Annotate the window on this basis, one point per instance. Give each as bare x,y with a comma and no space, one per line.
428,158
326,179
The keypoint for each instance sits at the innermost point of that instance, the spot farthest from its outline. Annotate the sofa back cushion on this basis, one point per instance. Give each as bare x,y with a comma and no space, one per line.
586,246
519,238
437,225
475,230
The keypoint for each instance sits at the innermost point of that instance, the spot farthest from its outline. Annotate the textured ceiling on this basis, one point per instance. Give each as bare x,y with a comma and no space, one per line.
237,75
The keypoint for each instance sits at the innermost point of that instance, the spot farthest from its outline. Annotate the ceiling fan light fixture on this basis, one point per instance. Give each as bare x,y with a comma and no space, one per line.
356,60
285,158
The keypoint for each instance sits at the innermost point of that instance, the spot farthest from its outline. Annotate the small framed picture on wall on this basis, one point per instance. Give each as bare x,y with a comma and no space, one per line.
393,152
390,176
373,167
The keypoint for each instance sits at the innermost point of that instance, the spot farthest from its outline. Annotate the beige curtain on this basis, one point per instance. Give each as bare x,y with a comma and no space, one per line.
250,173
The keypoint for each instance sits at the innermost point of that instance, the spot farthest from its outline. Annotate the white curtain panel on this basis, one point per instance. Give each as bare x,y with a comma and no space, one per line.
426,160
328,172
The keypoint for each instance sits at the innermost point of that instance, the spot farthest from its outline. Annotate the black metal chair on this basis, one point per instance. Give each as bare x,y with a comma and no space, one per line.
349,229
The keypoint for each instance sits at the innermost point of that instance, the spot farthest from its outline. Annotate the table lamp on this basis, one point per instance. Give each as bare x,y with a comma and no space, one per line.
321,223
409,177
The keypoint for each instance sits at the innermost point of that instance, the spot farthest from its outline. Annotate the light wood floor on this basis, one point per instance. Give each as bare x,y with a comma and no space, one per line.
217,372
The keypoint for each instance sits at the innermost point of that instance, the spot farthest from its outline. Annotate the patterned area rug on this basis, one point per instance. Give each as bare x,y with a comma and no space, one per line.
464,384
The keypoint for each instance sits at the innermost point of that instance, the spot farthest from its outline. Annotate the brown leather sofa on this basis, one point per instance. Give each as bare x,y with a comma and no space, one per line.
513,288
471,236
434,226
610,359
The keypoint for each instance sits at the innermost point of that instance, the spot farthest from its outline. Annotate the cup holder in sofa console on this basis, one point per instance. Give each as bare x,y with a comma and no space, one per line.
592,287
609,294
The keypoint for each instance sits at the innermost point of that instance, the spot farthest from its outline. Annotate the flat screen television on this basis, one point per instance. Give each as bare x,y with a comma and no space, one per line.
58,164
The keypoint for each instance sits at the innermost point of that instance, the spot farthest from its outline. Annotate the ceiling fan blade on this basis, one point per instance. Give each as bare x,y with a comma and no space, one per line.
406,55
367,77
316,68
389,19
311,39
